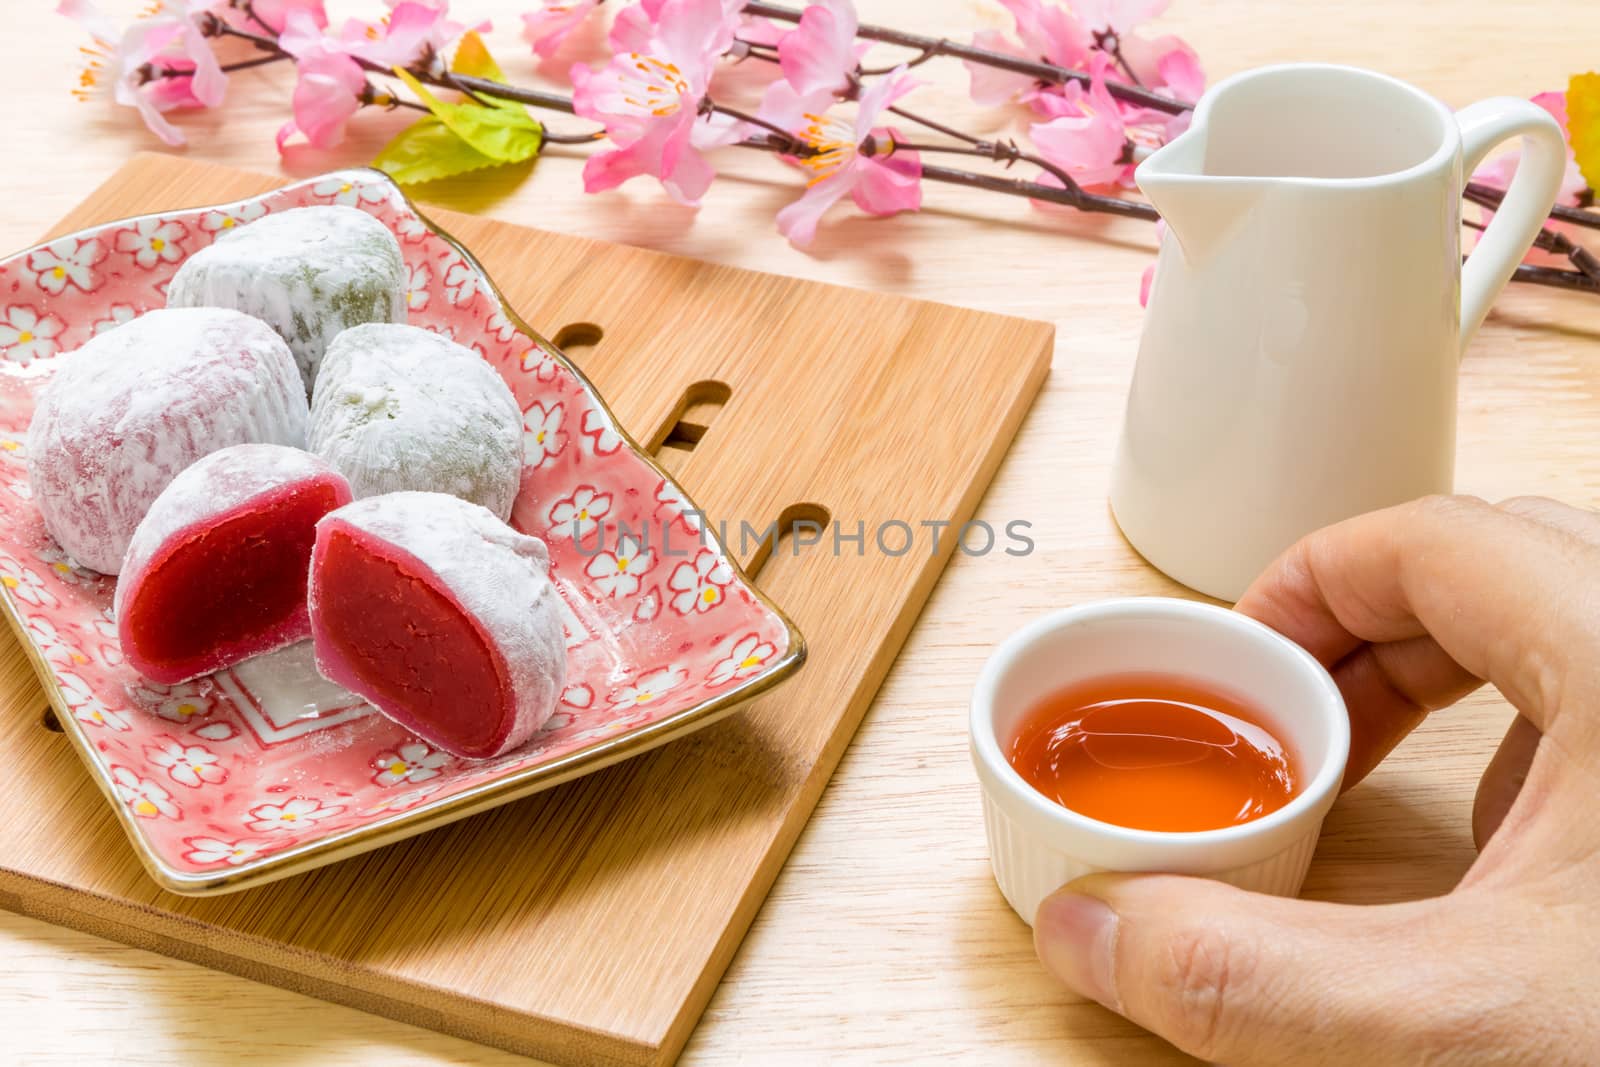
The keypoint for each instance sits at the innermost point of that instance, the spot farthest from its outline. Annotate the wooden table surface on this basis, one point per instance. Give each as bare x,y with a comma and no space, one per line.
884,939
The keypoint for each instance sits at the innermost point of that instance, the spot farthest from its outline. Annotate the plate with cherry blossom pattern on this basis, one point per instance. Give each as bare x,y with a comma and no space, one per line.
265,769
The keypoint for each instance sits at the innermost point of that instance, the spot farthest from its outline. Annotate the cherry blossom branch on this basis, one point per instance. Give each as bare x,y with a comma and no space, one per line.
448,80
775,139
943,46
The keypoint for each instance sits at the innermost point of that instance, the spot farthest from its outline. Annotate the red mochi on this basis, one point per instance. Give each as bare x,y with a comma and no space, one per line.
440,615
216,571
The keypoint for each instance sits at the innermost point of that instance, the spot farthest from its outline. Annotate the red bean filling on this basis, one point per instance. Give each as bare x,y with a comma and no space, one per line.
216,595
411,647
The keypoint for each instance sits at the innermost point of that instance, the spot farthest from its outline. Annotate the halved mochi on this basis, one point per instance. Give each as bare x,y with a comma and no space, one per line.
442,616
139,403
216,572
308,273
402,408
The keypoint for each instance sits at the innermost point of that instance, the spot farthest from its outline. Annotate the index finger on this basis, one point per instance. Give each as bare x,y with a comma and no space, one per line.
1495,590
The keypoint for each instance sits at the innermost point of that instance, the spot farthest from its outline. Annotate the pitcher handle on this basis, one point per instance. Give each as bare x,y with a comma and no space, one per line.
1527,202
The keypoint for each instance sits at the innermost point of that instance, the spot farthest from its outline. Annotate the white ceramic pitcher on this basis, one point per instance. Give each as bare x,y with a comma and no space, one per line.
1310,306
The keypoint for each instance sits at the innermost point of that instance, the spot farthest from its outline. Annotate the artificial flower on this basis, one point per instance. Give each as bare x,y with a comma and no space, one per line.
649,102
552,23
1087,137
640,25
269,15
1160,63
1165,64
412,34
1118,15
329,87
1042,31
849,156
132,61
821,53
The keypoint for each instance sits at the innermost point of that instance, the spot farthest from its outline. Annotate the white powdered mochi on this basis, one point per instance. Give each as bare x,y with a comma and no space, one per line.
398,408
309,273
137,404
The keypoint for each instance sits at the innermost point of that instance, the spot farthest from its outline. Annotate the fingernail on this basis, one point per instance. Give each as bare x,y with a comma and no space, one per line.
1076,936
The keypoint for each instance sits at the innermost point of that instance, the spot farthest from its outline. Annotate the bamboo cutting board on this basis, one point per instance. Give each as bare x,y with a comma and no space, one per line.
589,924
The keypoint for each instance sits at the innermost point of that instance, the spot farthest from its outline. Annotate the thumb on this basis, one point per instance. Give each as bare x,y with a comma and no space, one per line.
1245,978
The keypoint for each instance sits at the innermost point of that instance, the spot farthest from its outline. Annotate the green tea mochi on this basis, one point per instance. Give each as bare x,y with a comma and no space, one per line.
402,408
309,273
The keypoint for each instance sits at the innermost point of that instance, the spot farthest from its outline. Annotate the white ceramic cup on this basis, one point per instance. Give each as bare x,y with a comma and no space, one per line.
1036,845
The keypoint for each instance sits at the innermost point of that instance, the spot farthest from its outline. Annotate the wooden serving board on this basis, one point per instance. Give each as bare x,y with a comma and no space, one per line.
590,924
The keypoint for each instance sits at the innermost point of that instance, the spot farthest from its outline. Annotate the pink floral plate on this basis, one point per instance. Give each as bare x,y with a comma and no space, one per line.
265,769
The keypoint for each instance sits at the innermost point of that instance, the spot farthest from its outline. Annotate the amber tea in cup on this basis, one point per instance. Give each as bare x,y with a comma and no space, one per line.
1154,752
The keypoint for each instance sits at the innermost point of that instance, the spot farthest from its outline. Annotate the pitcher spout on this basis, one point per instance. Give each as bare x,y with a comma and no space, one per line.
1202,210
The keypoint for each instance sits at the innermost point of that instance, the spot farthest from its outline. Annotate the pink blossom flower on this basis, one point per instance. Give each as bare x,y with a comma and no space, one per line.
270,15
852,156
1118,15
1163,64
1043,31
1156,63
637,26
1087,136
550,25
170,40
329,88
821,53
412,34
649,102
634,26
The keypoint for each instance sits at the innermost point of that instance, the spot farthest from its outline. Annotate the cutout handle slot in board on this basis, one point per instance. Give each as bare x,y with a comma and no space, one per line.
696,411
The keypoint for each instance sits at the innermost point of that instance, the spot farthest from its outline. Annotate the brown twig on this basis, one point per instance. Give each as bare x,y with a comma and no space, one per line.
149,72
1490,197
941,46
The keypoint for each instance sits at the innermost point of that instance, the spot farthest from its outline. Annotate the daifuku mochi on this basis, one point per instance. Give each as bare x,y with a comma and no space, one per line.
216,572
308,273
442,616
398,407
139,403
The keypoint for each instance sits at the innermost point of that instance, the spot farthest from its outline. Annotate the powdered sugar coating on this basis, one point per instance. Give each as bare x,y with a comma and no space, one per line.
401,408
134,406
497,576
208,491
309,273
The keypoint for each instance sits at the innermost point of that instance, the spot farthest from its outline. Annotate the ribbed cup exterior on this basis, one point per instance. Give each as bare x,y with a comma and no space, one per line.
1028,870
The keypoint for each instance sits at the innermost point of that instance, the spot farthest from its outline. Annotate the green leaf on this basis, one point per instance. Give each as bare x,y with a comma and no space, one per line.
505,135
1583,124
428,150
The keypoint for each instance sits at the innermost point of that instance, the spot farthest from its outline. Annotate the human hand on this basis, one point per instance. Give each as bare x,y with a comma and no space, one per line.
1411,609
